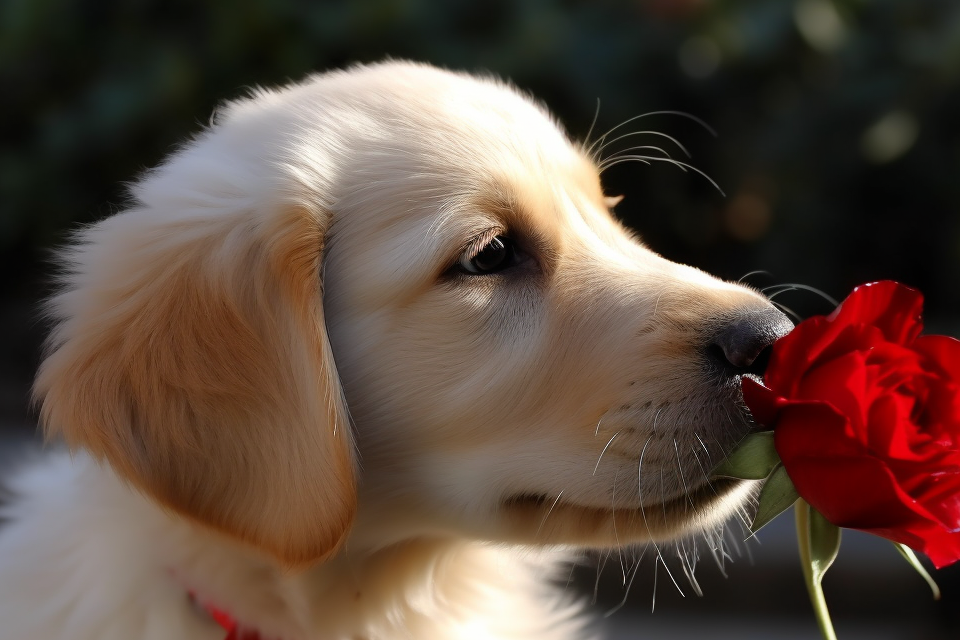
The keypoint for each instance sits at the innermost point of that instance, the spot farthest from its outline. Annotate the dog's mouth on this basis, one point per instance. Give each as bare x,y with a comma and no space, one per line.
544,519
691,500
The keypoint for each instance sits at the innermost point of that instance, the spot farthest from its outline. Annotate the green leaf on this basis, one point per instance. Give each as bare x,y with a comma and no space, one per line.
777,495
914,561
753,459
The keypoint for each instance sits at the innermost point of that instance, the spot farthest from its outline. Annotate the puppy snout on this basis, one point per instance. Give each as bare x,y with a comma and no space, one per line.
742,343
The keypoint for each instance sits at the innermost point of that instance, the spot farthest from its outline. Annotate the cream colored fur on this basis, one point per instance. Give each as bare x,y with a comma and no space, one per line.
283,396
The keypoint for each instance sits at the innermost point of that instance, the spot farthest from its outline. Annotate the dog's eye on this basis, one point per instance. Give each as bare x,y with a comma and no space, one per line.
494,256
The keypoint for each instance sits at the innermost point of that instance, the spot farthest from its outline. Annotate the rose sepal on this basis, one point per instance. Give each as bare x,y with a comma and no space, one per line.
777,495
756,458
914,562
753,459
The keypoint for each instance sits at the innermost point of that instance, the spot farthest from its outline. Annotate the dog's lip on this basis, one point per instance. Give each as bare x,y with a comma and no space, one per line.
701,495
536,516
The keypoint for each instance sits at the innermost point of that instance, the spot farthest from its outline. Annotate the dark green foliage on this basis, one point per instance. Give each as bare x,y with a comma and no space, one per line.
95,91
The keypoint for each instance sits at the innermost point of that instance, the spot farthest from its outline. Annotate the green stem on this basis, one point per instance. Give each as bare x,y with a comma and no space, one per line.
814,588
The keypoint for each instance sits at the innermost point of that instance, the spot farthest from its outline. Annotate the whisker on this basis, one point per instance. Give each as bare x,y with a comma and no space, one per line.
656,566
600,149
609,442
787,310
700,440
783,288
702,470
689,567
753,273
636,569
649,159
640,147
725,547
570,575
718,537
672,579
589,150
663,506
623,158
643,511
601,567
746,547
601,564
655,419
683,482
707,478
612,162
715,546
633,575
613,517
597,431
547,514
593,123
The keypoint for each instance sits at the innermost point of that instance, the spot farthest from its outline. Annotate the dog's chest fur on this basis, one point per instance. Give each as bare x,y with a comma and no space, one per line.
142,565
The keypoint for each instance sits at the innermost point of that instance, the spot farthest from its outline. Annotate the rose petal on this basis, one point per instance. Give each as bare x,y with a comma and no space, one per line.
793,354
763,403
941,414
861,493
893,362
855,492
810,344
814,430
942,354
871,314
937,543
895,309
835,474
892,435
938,494
841,382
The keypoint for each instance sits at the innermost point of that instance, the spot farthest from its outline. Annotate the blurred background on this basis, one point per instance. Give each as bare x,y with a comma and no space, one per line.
836,159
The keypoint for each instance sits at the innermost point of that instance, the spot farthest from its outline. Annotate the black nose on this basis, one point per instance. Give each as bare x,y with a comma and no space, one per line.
741,344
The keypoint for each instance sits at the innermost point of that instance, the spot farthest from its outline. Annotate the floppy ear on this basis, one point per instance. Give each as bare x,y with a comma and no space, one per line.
190,352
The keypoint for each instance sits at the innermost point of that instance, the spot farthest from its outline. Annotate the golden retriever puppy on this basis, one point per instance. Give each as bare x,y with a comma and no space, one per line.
365,360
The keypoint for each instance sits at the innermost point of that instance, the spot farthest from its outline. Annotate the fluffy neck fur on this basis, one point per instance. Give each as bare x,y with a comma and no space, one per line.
123,568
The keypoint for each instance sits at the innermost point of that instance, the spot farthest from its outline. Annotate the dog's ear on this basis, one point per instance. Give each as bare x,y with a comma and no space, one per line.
189,351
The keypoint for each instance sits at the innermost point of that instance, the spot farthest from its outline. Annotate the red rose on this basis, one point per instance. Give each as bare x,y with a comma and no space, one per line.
866,419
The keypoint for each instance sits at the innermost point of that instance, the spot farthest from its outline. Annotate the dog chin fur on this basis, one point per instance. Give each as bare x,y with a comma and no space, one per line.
284,390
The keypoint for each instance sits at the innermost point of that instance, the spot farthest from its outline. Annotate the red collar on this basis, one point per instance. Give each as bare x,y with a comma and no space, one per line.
225,620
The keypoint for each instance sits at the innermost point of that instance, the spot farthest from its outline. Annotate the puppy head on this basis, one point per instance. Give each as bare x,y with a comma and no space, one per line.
517,366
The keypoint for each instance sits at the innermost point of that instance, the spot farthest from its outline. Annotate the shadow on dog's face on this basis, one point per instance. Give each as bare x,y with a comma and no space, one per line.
518,366
396,296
